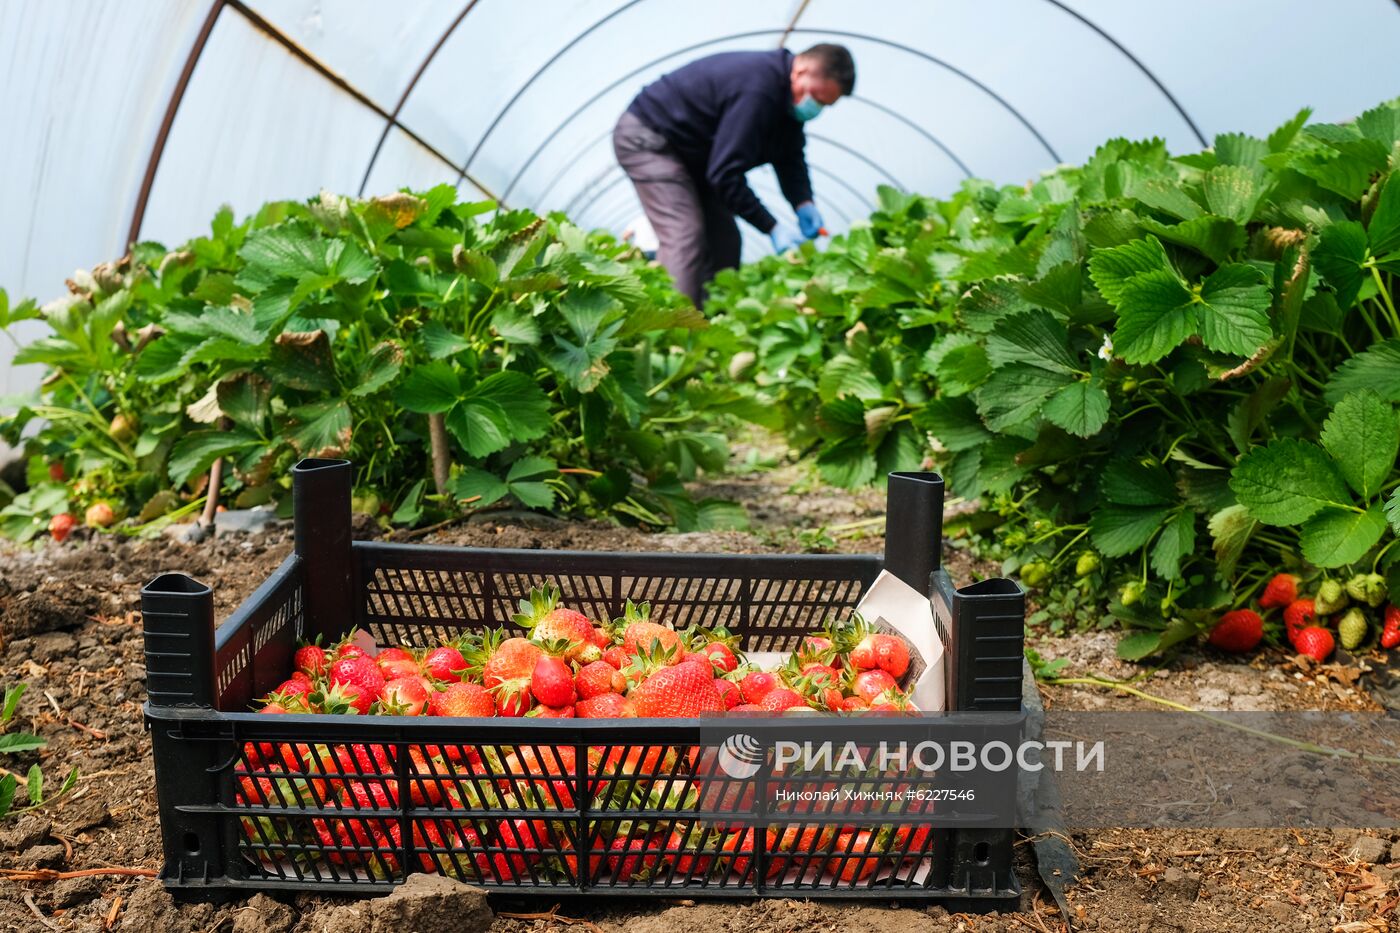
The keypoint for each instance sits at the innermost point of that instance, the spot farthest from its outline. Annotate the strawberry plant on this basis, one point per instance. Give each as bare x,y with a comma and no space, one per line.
13,743
460,360
1165,379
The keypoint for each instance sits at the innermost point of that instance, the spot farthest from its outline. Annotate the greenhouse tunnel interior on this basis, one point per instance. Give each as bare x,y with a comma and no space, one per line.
138,120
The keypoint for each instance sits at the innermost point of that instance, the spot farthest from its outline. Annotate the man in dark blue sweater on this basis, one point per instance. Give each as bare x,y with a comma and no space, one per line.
689,137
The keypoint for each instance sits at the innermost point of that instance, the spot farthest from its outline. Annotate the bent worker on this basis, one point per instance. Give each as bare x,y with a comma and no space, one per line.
687,140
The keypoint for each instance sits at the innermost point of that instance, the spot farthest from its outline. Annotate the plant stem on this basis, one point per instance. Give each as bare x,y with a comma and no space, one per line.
1385,297
211,495
1324,750
437,437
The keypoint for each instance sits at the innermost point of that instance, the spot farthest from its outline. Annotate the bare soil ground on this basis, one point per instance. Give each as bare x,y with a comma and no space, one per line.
70,629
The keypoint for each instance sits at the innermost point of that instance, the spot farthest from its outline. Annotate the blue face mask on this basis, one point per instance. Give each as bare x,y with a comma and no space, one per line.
808,108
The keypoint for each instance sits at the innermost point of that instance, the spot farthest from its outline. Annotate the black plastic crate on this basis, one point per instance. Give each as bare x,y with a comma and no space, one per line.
592,800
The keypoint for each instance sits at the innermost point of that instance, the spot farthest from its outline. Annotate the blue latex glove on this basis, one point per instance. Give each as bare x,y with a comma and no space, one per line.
809,220
785,237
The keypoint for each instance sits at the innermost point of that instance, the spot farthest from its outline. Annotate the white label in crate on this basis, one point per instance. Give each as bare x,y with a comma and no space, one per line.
897,607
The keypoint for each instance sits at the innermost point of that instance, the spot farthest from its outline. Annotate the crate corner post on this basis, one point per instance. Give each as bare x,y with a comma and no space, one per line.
322,541
177,614
914,528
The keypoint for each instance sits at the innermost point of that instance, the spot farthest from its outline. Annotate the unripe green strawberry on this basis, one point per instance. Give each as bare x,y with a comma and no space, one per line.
1352,628
1331,597
1131,592
1368,588
1087,563
1035,573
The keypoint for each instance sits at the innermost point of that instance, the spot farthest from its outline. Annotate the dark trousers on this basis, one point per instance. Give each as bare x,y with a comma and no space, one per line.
697,233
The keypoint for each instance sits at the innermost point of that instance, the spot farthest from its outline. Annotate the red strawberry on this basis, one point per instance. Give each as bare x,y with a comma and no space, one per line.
856,855
729,691
363,675
310,659
605,706
300,676
747,708
1279,591
854,703
1390,634
547,621
462,699
617,656
552,682
542,775
790,846
294,690
405,696
1315,642
892,700
393,654
56,472
635,859
521,841
552,712
1238,631
738,852
879,651
782,698
756,685
506,666
598,678
513,704
397,668
816,648
683,691
601,637
870,684
445,663
1297,616
639,633
348,649
721,656
61,525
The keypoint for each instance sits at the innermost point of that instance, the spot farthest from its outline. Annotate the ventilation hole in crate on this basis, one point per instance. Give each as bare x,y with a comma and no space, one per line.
191,841
981,853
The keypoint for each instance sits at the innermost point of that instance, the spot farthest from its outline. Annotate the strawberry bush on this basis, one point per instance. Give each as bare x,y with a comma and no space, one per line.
1165,379
460,359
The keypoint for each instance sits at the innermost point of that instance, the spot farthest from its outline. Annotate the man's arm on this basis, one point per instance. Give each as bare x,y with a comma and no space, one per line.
793,179
735,149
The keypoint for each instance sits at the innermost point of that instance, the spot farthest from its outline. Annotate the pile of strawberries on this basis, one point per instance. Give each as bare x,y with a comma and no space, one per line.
558,664
1356,608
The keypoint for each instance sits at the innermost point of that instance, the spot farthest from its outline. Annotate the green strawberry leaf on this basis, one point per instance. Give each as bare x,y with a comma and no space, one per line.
1111,269
474,483
1216,238
1392,510
480,425
1384,228
303,360
1156,313
1337,537
1234,313
379,369
196,451
429,388
1015,393
1080,408
1119,530
1363,436
1036,338
1178,539
1230,530
525,406
846,375
1341,249
1288,482
1234,190
244,397
988,301
440,343
954,422
1130,482
320,429
1376,368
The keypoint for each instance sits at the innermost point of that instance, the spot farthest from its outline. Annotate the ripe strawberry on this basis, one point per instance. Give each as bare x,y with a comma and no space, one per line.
397,668
870,684
521,841
543,775
552,712
1298,615
294,690
1279,592
878,651
61,525
552,683
738,852
505,666
1238,631
635,859
1315,642
782,698
393,653
310,659
99,515
1390,633
512,703
445,663
790,846
639,632
893,700
547,621
301,676
729,691
598,678
721,656
747,708
602,637
855,856
818,648
349,650
462,699
56,471
363,675
605,706
405,696
682,691
756,685
854,703
617,656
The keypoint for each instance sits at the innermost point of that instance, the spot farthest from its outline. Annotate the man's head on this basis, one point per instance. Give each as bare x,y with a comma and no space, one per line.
823,74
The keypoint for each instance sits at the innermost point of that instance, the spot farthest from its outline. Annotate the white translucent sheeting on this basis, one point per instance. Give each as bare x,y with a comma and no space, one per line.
1248,65
256,124
405,163
374,45
579,65
80,121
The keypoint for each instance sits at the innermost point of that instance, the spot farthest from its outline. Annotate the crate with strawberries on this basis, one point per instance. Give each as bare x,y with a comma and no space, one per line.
569,721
